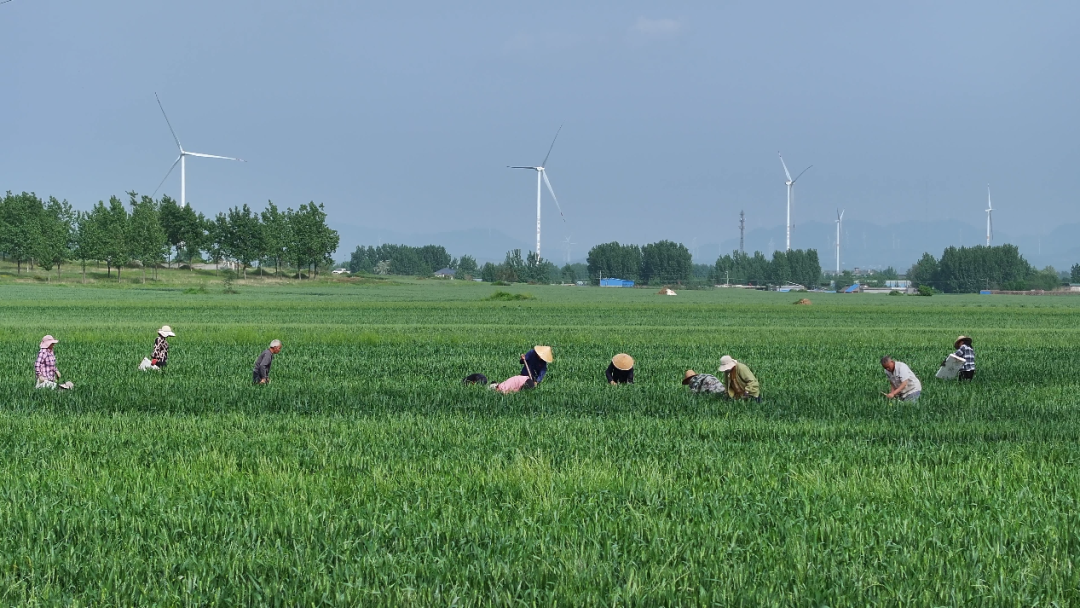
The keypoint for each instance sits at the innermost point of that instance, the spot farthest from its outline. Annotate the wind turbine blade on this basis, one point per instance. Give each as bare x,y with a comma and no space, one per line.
544,164
547,182
175,138
509,167
201,155
800,175
166,176
785,166
989,205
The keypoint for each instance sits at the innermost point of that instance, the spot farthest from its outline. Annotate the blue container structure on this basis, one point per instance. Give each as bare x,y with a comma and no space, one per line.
615,283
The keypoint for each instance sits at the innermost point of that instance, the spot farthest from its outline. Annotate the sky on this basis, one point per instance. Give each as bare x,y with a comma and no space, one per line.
402,116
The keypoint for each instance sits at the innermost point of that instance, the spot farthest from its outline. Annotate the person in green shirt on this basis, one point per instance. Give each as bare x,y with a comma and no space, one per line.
739,381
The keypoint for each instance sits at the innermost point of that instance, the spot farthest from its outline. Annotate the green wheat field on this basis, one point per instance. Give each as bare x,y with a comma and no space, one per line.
367,474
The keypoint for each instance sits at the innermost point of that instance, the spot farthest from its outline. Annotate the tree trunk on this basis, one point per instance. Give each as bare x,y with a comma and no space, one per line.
144,274
84,272
108,268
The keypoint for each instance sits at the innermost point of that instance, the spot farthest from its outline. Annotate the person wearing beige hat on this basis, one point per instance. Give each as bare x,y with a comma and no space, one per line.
620,370
45,365
160,357
707,384
739,381
965,351
535,363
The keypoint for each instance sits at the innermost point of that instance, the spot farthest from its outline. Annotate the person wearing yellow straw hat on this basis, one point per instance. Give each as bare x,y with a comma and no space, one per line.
707,384
965,351
160,357
535,363
620,370
739,381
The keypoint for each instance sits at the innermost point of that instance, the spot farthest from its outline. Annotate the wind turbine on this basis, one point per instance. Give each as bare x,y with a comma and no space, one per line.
182,159
541,174
989,221
839,219
568,245
790,195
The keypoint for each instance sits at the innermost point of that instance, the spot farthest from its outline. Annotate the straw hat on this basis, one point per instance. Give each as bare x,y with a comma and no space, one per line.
544,352
623,361
956,344
688,375
47,341
165,332
726,363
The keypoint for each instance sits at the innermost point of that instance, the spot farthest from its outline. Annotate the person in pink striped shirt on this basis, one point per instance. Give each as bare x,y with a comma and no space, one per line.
45,365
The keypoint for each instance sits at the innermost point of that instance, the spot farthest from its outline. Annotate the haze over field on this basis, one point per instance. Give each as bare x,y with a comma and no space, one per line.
402,118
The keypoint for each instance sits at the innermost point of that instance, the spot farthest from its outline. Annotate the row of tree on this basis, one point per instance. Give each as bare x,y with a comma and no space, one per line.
797,266
655,263
971,269
51,233
530,269
407,260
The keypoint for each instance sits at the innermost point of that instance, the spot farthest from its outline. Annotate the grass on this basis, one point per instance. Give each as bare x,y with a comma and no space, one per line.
367,474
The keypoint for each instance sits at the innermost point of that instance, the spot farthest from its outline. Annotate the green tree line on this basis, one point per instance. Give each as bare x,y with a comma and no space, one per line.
51,234
407,260
655,263
971,269
797,266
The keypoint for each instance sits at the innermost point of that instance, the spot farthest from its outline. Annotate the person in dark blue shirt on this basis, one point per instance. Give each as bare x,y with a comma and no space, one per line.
620,370
535,363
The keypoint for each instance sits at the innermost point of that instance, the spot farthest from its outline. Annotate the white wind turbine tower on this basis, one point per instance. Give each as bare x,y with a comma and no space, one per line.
181,159
839,220
541,174
790,195
568,245
989,221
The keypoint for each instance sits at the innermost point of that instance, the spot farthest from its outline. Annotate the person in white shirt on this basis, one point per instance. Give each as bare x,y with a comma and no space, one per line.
903,381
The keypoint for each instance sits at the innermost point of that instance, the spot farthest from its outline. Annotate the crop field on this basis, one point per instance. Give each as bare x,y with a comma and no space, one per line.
366,474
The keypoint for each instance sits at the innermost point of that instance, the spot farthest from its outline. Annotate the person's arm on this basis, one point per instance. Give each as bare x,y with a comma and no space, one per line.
630,376
539,374
749,382
896,391
610,373
262,365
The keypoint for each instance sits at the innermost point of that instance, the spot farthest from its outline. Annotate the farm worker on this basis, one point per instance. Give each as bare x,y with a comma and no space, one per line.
965,351
535,363
261,375
160,356
739,381
513,384
45,366
702,383
620,370
902,379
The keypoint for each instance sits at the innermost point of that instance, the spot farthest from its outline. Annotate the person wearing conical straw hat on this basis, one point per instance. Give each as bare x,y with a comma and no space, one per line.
160,357
620,370
739,381
706,384
535,363
965,351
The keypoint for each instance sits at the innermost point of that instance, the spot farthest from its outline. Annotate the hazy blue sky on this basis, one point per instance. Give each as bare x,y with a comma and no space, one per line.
403,115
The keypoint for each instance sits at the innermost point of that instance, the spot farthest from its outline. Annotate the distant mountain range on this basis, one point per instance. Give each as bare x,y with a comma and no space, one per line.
863,244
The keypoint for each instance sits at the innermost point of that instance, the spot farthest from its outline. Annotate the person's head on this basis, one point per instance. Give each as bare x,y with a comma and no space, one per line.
888,363
623,362
544,352
275,346
962,340
727,363
689,375
47,342
475,379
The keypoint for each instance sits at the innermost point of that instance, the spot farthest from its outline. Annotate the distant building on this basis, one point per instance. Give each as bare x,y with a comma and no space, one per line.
856,288
615,283
446,273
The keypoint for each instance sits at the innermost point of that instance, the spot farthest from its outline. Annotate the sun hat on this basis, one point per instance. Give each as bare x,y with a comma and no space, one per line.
166,331
726,363
47,341
544,352
623,361
688,375
956,344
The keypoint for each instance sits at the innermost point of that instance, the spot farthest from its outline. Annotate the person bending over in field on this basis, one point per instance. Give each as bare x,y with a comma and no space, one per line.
706,384
620,370
514,384
261,374
902,380
965,351
45,366
739,381
160,357
535,363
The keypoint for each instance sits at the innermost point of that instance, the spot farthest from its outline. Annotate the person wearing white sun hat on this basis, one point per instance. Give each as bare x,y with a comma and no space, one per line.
739,381
160,357
45,365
